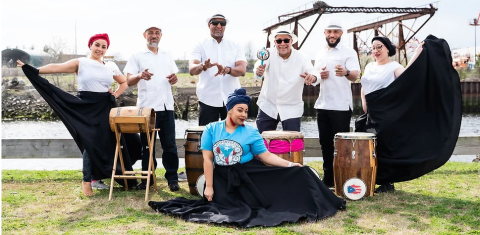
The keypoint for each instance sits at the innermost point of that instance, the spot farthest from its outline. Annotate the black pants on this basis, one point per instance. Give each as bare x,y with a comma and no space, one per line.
87,167
331,122
210,114
165,121
267,123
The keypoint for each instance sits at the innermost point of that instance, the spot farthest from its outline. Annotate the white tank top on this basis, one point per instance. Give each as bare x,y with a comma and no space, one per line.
95,76
377,77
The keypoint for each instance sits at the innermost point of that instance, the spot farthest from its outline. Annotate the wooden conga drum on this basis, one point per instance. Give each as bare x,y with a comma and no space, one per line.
130,111
355,164
286,144
193,156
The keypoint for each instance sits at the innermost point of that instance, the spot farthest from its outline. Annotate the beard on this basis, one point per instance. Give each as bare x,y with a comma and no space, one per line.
153,44
332,45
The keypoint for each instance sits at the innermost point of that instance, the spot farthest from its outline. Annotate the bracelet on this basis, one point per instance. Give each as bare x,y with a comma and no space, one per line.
290,164
230,70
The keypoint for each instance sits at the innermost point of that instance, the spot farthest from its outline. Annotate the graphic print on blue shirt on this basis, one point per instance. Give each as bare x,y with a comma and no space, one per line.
227,152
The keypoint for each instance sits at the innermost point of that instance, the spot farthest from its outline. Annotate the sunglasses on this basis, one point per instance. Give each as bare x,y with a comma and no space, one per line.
216,22
279,41
378,48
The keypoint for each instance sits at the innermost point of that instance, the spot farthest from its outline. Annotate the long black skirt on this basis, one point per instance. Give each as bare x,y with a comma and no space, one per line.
416,118
253,194
87,119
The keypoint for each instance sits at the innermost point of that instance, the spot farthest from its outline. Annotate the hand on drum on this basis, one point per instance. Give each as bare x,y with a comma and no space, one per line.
208,193
297,164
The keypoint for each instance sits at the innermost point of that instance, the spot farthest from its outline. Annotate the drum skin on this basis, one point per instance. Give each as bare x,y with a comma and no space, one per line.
193,157
128,111
363,166
289,136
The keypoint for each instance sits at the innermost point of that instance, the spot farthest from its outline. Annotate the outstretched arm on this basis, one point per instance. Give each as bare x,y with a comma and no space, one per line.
70,66
418,51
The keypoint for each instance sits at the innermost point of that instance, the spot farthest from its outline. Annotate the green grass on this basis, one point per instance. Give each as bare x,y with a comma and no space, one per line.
446,201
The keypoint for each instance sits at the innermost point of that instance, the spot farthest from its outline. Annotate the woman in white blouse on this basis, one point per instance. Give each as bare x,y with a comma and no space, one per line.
383,71
94,80
380,74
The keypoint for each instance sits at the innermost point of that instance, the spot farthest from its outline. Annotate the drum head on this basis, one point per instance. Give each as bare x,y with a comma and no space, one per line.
354,189
200,185
277,135
354,135
315,172
195,129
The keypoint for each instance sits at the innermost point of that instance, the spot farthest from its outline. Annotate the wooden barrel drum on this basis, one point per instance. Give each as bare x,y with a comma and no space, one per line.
133,111
355,164
288,145
193,157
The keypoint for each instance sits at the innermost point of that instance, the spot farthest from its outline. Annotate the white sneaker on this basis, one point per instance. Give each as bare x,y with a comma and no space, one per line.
99,185
182,176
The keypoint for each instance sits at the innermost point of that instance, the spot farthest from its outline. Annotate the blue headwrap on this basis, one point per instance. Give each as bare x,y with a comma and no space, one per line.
239,96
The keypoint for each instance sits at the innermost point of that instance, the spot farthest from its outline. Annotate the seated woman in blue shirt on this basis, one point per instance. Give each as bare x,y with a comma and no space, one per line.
240,189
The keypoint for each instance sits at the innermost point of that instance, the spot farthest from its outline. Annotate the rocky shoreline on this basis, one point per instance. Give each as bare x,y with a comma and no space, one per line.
27,104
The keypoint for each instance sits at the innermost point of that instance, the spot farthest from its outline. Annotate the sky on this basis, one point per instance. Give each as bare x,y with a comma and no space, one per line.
27,23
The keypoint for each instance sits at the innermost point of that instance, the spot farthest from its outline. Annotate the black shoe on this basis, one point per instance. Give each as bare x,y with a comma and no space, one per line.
173,186
385,188
143,185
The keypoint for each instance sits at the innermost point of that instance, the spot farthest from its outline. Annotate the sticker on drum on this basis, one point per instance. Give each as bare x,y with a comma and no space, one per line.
200,185
354,189
315,172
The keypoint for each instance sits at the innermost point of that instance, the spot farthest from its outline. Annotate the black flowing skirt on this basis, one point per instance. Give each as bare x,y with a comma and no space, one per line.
87,119
253,194
416,118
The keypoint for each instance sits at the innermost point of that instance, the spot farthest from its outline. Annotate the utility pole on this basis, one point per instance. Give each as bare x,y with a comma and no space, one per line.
75,38
475,24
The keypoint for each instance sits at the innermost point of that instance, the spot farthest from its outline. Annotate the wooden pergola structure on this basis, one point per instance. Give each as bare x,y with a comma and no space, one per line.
319,8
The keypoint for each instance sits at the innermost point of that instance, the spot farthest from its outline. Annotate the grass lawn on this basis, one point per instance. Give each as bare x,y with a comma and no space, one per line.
446,201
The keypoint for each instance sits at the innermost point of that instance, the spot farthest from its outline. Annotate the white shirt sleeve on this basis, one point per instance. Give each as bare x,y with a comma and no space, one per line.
131,67
240,56
174,68
196,53
352,61
114,67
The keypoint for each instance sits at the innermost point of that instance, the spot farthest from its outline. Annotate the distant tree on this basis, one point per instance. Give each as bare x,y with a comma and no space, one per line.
32,47
249,51
56,51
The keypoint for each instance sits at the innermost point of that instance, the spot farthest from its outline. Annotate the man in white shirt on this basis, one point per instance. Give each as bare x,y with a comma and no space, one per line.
153,71
338,66
284,74
219,62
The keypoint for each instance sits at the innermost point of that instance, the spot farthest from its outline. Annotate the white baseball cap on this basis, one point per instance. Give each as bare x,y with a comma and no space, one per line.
272,36
334,23
149,26
217,15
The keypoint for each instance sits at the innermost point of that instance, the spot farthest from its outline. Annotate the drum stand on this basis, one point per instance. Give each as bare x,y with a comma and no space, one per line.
118,154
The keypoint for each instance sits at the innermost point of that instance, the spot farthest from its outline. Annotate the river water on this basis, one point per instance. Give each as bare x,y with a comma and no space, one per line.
56,129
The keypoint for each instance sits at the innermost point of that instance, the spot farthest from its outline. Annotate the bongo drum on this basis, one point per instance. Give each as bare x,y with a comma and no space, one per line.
355,164
193,156
132,111
286,144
